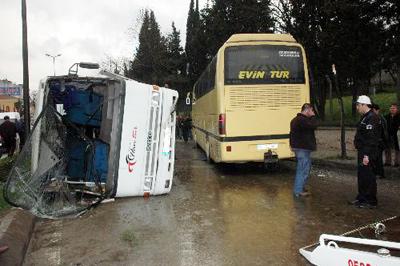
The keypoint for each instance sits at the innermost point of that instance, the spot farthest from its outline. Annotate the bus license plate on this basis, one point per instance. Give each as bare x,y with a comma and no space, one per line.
267,146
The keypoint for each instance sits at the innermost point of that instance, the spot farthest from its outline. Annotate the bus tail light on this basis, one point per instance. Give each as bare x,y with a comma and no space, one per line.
222,124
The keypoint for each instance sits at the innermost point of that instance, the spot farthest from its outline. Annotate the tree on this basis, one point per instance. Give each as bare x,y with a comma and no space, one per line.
343,32
306,21
358,32
208,29
115,65
192,42
227,17
391,47
176,62
150,62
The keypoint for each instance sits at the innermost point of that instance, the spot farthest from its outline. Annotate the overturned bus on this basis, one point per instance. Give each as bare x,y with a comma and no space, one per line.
93,138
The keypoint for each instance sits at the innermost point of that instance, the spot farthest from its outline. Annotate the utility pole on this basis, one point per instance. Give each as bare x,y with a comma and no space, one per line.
27,116
54,62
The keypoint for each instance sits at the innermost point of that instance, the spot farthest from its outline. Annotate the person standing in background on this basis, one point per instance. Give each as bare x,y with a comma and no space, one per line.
8,132
178,128
21,132
383,139
393,123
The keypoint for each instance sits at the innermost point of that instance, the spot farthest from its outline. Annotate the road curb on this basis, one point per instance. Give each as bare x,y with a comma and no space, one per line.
16,227
333,165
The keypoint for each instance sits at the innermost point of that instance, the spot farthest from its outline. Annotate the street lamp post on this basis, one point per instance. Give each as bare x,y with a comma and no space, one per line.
54,61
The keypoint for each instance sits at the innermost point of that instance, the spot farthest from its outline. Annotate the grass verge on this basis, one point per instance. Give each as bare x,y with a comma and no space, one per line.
3,203
382,99
5,167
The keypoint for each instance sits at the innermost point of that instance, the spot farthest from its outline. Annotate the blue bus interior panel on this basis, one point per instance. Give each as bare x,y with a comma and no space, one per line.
85,108
82,106
98,162
88,162
76,152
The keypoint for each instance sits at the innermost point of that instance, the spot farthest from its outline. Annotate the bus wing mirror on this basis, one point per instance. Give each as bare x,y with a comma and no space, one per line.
188,98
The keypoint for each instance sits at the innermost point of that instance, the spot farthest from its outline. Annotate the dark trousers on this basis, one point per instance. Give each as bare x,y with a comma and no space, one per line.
366,181
10,146
393,145
21,141
388,157
185,134
379,163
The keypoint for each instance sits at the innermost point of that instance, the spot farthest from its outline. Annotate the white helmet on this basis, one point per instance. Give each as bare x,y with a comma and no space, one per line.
363,99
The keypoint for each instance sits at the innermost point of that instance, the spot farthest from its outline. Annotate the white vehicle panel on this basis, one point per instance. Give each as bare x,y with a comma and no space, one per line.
166,155
331,254
134,134
146,158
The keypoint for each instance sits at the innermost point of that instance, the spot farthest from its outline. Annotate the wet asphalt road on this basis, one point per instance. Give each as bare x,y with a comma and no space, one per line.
214,215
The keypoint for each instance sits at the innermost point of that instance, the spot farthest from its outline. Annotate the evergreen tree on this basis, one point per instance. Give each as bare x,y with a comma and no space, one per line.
159,52
192,41
150,62
209,29
176,61
343,32
391,45
141,66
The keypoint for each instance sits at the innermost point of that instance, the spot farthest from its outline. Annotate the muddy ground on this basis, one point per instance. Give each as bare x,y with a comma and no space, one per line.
214,215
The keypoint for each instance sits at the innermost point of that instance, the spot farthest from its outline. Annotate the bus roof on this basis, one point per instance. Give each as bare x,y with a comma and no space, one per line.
246,37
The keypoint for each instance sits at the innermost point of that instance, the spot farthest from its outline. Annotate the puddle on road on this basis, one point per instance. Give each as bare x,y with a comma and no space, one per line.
214,215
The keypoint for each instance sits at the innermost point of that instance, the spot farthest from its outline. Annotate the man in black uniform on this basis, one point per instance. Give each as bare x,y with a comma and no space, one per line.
366,141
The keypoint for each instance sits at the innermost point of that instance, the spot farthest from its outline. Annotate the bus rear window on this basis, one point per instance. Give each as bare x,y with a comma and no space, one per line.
263,64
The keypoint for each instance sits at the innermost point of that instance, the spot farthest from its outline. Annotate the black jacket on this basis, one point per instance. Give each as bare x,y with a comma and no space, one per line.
302,132
8,131
393,123
383,133
368,135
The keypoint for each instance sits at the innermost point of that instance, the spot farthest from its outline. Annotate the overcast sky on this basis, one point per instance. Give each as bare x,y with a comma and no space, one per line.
80,30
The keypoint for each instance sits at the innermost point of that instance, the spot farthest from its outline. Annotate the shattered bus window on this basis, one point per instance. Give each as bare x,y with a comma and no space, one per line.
46,178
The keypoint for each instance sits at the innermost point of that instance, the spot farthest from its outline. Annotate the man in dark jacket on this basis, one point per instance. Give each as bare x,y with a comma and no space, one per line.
383,139
8,132
302,142
393,124
366,141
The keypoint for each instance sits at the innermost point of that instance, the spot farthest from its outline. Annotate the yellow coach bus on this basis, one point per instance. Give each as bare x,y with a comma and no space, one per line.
244,101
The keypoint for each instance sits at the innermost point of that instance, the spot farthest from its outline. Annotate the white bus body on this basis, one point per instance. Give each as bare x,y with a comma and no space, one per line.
138,123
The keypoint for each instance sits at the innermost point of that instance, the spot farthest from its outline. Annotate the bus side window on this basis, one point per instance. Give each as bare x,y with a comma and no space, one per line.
213,71
206,82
